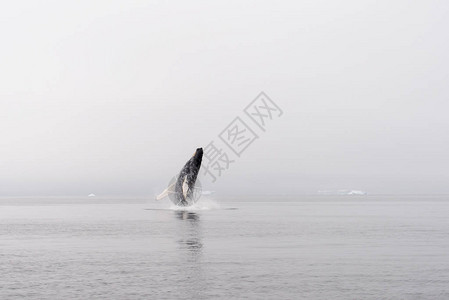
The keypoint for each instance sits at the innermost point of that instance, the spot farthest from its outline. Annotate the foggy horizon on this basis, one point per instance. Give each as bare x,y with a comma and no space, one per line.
112,98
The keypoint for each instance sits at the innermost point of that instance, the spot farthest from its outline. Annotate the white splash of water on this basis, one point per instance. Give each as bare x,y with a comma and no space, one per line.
205,203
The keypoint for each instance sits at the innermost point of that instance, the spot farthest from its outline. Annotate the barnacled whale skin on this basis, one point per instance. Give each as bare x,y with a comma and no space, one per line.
186,179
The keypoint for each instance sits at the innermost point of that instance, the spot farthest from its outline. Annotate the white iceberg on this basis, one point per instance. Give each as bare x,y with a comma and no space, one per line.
342,192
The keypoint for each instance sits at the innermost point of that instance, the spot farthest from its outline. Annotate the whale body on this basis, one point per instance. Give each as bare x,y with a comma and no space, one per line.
185,183
181,191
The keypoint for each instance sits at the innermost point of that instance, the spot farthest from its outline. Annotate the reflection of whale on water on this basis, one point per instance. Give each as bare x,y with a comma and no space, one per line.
191,239
187,235
186,215
182,191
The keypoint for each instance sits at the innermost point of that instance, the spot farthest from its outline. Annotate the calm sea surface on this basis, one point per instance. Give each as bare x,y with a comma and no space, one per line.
326,247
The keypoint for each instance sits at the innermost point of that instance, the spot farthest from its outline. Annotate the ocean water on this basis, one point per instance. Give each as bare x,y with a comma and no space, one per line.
314,247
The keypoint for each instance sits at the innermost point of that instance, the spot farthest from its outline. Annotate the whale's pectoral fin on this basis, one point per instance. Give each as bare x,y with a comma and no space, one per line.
166,192
185,187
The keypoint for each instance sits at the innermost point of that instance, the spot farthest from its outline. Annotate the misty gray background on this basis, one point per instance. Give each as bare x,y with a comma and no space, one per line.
112,97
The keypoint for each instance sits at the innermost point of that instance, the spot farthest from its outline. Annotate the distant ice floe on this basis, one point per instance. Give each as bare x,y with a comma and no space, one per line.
91,195
342,192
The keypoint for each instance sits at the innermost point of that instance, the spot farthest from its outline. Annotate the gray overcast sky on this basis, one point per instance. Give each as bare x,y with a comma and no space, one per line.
112,97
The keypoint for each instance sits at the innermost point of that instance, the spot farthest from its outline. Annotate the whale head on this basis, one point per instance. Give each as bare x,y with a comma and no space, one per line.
197,158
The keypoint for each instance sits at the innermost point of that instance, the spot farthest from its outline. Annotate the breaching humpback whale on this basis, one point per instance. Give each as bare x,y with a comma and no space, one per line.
181,192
